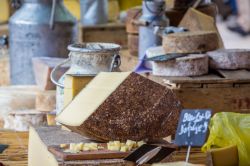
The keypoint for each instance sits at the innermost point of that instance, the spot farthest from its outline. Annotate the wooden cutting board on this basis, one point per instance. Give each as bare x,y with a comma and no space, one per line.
87,155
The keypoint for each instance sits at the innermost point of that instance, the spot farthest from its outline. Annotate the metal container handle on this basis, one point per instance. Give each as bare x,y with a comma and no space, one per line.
53,73
116,62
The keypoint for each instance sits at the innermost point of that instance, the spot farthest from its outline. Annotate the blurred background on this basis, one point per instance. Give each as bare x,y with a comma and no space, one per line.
233,20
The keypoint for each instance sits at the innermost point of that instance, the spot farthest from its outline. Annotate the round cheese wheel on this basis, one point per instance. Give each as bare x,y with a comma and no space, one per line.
190,65
231,59
190,42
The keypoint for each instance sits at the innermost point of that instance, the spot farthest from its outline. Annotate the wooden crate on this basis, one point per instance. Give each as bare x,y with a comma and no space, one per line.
111,33
221,90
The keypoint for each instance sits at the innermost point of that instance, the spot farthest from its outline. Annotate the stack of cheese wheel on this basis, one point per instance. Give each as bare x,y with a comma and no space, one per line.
192,45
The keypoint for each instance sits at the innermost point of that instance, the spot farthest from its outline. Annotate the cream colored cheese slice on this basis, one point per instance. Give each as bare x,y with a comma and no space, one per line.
38,152
91,97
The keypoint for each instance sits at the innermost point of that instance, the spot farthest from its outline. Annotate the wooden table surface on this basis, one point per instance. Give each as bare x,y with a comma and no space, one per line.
17,152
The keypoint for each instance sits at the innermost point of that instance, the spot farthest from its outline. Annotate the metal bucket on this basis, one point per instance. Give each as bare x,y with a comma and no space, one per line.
87,59
40,28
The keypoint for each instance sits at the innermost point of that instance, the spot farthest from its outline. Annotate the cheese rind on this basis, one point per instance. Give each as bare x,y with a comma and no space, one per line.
99,89
190,65
190,42
231,59
122,106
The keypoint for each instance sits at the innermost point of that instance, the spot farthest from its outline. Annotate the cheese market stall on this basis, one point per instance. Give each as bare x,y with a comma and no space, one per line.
102,104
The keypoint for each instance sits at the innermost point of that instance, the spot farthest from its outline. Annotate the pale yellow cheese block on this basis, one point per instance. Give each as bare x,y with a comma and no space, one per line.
92,97
73,85
37,151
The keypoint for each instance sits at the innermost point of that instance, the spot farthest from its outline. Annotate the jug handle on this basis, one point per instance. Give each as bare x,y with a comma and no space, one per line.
116,62
53,73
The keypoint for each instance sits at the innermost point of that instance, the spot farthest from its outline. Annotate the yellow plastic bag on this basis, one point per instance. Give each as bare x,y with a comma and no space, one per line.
230,129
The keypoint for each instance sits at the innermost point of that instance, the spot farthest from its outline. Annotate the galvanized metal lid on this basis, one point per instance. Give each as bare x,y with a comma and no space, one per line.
94,47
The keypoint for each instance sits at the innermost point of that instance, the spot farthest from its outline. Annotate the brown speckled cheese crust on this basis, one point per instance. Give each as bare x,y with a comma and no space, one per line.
190,42
138,109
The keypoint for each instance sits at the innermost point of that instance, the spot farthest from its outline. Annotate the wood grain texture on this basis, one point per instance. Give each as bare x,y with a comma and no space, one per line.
17,153
111,33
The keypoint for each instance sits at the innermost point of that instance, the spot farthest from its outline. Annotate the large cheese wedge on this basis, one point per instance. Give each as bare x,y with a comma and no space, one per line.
230,59
122,106
190,42
215,156
190,65
195,20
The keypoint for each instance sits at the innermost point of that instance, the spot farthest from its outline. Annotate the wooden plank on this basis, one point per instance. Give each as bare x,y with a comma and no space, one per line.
87,155
227,99
111,33
218,85
17,152
235,74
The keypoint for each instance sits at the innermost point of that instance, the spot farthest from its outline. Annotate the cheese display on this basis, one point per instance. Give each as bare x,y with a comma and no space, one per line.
195,20
215,156
46,101
42,68
231,59
40,138
73,85
190,42
189,65
122,106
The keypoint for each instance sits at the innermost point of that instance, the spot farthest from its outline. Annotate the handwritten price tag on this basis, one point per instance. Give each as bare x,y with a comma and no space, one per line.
192,128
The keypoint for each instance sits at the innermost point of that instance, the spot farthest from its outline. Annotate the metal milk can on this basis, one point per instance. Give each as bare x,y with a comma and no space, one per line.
86,59
40,28
94,12
153,15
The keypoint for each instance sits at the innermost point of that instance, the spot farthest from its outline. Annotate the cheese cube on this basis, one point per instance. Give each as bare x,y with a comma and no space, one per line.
124,148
